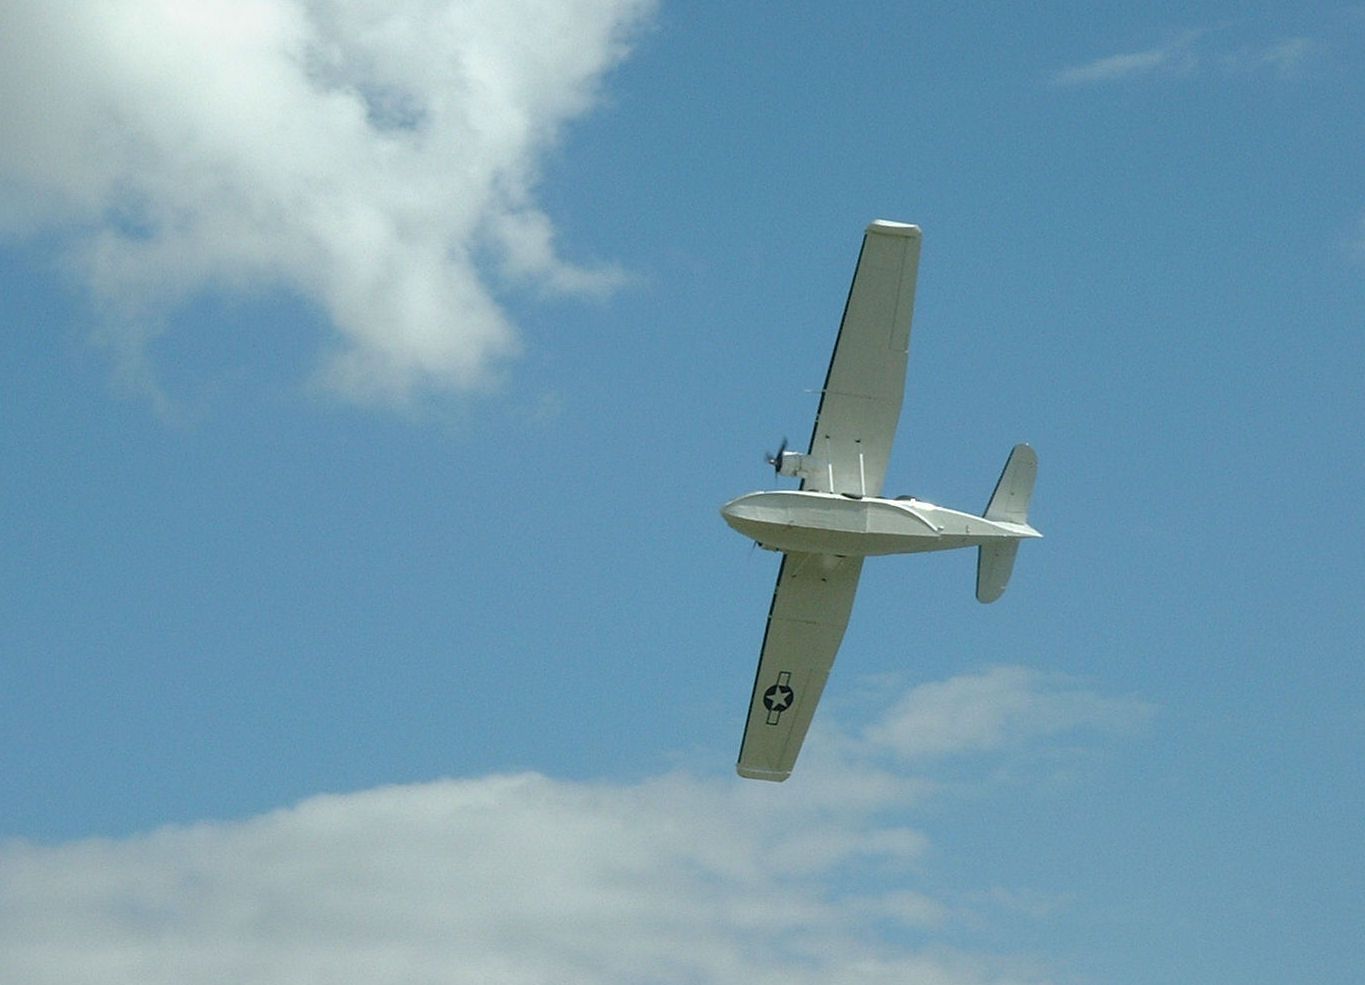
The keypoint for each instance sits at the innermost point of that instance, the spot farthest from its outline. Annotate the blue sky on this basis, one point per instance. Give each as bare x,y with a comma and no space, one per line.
371,378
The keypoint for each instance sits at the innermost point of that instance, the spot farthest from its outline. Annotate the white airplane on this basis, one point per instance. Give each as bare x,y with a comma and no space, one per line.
838,517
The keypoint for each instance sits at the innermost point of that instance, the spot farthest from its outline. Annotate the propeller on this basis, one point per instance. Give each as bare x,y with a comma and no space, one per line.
776,460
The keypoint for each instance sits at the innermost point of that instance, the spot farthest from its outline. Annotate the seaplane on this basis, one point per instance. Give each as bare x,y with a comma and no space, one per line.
838,517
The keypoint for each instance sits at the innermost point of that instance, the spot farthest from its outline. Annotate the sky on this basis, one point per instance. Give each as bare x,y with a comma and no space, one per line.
371,375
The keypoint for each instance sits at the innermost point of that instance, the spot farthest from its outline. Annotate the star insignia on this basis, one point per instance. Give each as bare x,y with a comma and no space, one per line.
778,697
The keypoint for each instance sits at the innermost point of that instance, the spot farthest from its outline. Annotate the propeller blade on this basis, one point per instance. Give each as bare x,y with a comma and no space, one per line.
776,460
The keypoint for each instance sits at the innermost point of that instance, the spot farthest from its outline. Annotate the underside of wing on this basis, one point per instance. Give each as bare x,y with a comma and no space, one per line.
861,401
811,605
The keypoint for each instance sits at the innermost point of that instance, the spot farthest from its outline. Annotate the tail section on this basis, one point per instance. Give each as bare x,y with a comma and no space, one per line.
1009,504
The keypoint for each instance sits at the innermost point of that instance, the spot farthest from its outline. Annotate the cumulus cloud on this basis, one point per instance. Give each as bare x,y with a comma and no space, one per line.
504,880
377,158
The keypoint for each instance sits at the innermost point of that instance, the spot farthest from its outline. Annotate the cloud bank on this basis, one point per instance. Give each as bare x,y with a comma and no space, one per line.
504,880
379,159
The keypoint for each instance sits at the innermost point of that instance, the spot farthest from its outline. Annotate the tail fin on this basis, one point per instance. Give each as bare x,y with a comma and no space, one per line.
1009,504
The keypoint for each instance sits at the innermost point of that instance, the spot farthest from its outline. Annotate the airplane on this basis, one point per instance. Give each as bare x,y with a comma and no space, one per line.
837,517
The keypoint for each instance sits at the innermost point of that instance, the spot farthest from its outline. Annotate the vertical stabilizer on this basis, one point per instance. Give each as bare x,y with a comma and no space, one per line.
1009,502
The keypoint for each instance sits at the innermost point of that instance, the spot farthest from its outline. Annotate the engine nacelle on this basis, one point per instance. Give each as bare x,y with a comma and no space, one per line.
797,465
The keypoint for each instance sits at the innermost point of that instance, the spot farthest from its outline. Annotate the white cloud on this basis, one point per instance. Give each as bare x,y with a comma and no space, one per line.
378,158
1173,57
1356,244
1188,54
1285,58
1003,706
505,880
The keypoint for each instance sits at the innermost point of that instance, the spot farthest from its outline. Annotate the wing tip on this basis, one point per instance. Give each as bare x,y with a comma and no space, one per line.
891,228
754,773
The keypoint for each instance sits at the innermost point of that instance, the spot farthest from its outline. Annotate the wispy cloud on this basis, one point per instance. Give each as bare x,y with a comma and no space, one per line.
1356,245
1174,57
1285,58
379,159
1190,53
999,708
521,879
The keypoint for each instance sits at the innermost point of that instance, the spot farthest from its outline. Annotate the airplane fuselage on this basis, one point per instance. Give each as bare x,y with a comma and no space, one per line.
852,526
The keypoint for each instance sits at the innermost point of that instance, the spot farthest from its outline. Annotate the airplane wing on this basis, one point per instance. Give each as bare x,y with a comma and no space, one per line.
806,623
861,401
